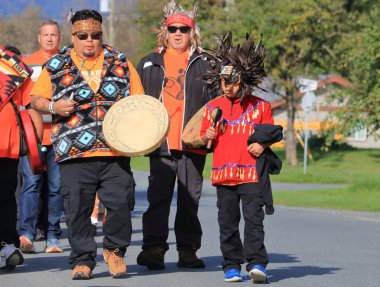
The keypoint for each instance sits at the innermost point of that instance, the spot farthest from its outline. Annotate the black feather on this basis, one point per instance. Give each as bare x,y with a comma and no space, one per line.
246,58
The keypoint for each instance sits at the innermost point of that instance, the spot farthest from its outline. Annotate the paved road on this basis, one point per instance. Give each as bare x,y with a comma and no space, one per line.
308,248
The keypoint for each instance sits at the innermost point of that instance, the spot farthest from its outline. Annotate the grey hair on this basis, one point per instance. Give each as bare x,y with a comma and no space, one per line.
50,22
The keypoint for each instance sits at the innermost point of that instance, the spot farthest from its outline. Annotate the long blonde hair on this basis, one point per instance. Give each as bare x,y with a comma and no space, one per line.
162,34
163,38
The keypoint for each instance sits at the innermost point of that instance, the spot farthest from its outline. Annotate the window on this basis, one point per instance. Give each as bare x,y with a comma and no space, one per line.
358,134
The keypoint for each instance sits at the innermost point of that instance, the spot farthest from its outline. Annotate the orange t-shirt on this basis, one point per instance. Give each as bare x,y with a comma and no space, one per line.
173,94
44,88
92,69
9,129
91,73
35,61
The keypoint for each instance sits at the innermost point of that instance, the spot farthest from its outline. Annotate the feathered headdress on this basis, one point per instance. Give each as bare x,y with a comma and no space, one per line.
174,13
244,63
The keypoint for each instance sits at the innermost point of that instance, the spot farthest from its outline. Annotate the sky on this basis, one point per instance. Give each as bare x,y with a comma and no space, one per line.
55,9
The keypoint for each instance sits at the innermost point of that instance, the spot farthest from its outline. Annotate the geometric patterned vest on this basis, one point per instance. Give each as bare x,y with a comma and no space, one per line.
81,133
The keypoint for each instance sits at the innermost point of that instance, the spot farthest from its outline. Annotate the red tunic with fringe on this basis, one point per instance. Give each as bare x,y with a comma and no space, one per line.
232,163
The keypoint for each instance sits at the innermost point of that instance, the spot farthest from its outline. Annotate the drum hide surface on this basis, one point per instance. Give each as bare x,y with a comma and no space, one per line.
136,125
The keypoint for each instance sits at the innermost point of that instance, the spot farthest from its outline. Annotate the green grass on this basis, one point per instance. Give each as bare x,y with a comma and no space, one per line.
336,166
359,168
352,198
140,163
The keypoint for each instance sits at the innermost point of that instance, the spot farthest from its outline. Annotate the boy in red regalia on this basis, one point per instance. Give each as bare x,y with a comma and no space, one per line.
235,171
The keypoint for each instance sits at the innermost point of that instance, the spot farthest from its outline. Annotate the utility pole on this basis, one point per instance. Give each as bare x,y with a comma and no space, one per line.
307,87
230,5
108,7
111,23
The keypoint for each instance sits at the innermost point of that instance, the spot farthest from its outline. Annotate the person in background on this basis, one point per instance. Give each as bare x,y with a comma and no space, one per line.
95,215
10,254
49,38
173,74
77,87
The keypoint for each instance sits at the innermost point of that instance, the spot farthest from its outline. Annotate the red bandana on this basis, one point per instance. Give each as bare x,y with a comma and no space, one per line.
180,18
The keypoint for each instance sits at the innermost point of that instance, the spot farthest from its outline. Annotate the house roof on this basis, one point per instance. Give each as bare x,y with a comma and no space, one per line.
327,80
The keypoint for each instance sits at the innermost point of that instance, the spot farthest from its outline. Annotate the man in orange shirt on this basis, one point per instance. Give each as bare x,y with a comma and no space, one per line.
77,87
173,74
49,38
10,255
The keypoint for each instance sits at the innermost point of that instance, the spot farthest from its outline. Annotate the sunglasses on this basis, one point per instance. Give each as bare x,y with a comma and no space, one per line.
182,29
84,36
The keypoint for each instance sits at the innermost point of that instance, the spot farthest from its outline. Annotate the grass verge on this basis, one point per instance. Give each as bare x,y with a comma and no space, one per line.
358,168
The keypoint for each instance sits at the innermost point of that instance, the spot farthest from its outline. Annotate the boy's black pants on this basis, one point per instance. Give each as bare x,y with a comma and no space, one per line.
233,250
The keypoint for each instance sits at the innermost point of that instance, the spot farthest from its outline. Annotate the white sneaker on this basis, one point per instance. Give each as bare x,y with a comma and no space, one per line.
10,256
258,274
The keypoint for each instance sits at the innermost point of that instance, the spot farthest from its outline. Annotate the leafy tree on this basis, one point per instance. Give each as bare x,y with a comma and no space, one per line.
359,61
150,15
126,33
300,37
21,30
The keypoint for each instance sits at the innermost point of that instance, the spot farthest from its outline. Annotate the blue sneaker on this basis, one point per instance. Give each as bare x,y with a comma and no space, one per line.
232,275
53,246
258,274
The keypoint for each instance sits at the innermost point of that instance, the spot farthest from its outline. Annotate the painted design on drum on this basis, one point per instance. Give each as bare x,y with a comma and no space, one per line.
136,125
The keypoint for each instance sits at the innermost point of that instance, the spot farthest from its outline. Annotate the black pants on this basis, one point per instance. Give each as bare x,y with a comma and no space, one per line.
234,252
187,168
112,178
8,206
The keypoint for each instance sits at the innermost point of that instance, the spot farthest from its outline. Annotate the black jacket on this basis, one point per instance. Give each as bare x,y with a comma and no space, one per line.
151,70
268,162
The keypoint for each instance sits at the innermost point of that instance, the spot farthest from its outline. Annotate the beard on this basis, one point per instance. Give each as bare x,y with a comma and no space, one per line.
92,54
89,54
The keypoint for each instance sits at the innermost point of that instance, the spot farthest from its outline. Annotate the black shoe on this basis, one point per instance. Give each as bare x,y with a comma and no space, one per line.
11,257
188,259
152,257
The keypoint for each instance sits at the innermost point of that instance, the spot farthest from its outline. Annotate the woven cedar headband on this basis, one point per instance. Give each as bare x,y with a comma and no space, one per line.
87,25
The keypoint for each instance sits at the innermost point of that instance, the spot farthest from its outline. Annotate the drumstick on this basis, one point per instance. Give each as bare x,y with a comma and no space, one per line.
215,116
71,97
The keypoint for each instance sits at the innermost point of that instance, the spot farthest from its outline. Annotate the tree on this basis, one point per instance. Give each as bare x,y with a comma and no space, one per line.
302,38
126,31
359,61
299,37
21,30
150,15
